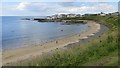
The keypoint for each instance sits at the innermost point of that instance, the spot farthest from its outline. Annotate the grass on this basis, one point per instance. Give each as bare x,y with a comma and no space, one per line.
101,51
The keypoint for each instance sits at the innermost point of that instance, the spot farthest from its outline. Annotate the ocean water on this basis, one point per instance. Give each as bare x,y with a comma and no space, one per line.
18,33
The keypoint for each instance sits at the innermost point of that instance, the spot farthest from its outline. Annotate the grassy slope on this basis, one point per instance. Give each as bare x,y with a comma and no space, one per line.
100,51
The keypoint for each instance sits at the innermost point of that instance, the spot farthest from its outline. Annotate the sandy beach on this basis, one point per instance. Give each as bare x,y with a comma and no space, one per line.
19,54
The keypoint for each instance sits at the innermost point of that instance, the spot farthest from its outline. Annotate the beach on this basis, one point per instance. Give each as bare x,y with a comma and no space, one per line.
24,53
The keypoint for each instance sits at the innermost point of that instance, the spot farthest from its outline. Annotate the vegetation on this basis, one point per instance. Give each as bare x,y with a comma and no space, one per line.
102,51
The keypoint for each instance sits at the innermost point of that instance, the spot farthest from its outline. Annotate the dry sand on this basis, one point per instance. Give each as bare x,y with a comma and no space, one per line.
37,50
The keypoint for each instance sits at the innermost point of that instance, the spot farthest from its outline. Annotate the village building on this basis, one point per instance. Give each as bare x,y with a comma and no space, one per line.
114,14
62,16
71,15
49,17
78,15
102,14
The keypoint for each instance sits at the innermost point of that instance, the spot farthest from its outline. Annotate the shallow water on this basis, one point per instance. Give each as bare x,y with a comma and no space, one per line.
19,33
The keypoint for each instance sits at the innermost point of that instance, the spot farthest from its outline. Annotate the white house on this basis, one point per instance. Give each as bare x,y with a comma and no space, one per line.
102,14
71,15
78,15
62,15
49,17
115,14
54,16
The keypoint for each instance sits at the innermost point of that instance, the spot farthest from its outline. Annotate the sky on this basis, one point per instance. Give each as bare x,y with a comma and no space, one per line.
46,8
61,0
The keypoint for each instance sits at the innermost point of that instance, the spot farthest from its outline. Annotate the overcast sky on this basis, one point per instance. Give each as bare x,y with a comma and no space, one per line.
26,8
61,0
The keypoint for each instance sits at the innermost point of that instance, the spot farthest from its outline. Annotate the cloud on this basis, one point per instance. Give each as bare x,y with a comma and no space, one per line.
105,7
69,0
95,8
22,5
50,8
102,7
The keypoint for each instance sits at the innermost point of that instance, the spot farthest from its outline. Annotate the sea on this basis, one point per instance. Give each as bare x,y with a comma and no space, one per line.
16,32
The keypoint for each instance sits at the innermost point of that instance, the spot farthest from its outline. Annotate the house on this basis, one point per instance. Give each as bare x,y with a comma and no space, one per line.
94,14
78,15
115,14
86,15
49,17
62,16
71,15
102,14
54,16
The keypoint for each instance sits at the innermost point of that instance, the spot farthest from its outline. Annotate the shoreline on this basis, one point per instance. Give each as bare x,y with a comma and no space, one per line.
33,51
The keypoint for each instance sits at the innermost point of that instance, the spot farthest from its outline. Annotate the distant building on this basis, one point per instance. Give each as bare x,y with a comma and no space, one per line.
102,14
62,16
93,14
71,15
114,14
78,15
54,16
49,17
86,15
90,14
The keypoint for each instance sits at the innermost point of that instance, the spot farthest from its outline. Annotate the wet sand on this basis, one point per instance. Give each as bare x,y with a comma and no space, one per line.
19,54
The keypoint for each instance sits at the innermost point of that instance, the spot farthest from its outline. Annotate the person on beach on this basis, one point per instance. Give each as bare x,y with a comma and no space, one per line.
56,41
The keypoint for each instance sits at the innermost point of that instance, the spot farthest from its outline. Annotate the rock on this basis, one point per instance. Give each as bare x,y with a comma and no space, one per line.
61,30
